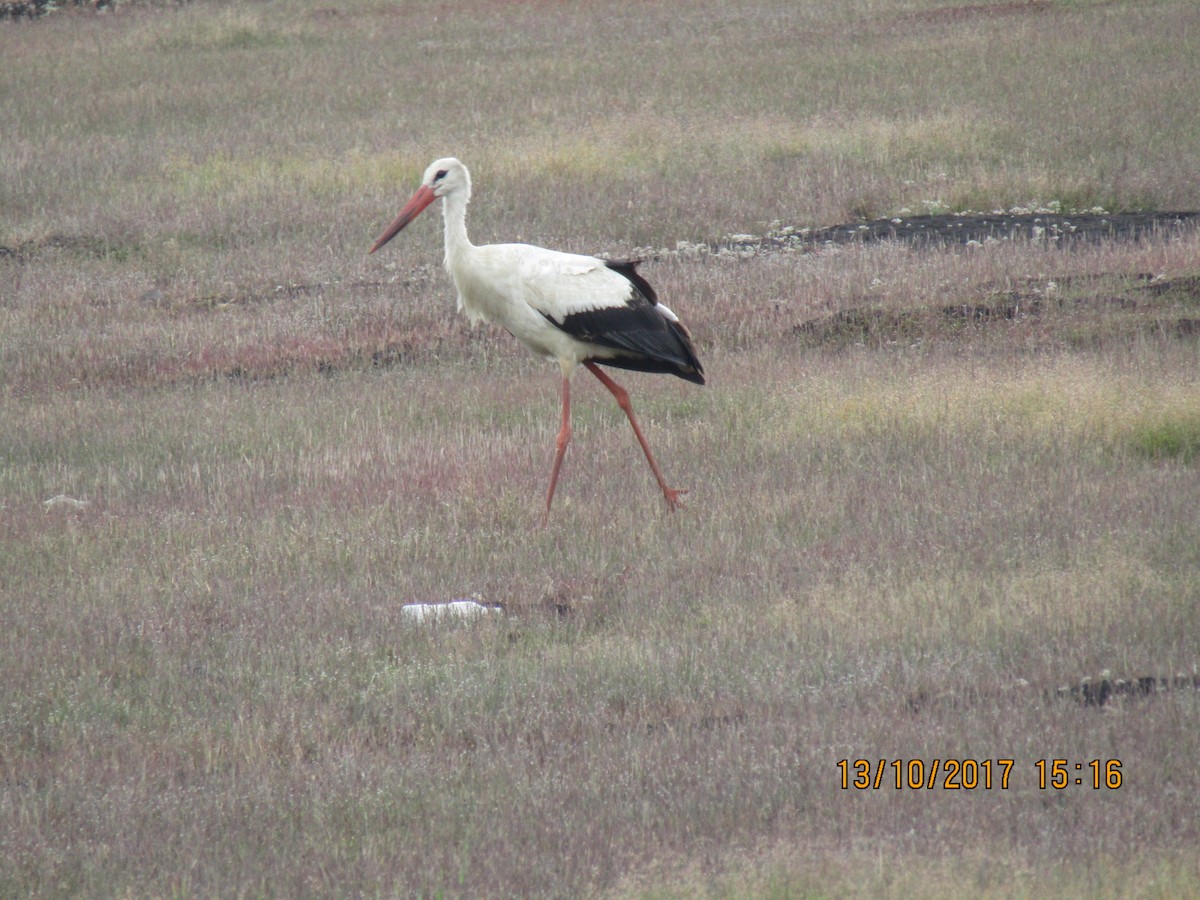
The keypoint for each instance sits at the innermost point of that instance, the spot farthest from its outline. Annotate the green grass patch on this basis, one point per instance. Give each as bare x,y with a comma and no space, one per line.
1167,437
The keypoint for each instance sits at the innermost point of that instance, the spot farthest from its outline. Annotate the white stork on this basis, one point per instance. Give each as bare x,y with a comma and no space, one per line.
566,307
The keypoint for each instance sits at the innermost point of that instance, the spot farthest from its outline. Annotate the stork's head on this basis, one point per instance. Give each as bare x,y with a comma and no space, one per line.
442,178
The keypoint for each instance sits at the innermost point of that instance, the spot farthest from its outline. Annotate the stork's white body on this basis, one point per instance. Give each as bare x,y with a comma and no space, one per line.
517,286
566,307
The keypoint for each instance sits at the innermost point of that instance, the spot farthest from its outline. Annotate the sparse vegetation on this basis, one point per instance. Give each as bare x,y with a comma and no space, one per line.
930,484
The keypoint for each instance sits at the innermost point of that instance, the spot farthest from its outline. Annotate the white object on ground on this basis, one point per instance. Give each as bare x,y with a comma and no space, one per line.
64,500
455,609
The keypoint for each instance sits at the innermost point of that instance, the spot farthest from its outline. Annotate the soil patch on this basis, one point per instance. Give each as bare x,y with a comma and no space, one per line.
972,11
1061,229
1144,305
1106,690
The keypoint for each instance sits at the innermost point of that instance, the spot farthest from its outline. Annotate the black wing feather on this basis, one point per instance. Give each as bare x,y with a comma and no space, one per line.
628,268
647,340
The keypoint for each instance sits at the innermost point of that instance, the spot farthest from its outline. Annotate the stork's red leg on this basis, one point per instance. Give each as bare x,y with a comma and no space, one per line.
564,438
671,494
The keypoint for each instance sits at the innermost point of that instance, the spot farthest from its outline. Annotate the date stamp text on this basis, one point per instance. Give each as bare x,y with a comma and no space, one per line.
952,774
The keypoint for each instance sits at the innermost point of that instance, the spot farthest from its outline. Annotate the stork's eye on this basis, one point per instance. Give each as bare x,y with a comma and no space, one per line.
440,175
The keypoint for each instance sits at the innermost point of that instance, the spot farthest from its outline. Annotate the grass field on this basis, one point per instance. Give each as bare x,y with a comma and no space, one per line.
233,445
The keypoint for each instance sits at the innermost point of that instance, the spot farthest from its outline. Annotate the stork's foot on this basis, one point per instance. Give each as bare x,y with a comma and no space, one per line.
674,497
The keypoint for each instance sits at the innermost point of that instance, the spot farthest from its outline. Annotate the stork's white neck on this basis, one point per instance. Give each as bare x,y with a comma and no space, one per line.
454,209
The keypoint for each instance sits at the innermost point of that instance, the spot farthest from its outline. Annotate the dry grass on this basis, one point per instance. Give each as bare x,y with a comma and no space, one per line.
906,525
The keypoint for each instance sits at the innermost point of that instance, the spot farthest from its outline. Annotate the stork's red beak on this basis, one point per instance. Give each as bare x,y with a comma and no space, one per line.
421,199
